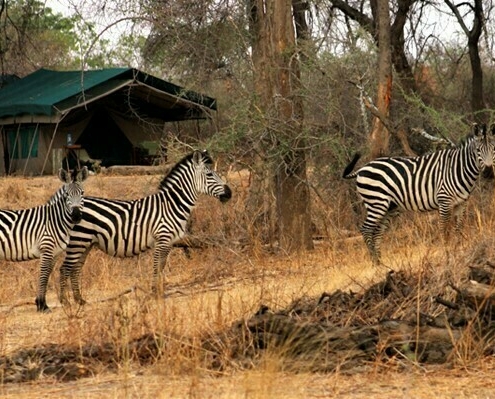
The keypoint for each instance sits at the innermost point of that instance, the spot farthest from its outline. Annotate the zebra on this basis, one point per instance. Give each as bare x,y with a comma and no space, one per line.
43,231
127,228
441,180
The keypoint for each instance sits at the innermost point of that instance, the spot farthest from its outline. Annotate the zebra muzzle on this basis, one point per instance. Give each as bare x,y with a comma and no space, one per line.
76,215
227,194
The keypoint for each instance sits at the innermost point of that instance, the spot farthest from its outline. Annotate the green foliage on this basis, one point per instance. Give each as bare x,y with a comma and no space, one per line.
33,36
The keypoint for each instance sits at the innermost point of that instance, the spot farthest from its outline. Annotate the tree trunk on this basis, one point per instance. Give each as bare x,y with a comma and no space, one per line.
277,84
380,136
477,101
399,59
473,36
394,36
260,208
371,25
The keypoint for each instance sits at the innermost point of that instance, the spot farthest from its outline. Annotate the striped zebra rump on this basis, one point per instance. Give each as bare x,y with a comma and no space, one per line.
409,183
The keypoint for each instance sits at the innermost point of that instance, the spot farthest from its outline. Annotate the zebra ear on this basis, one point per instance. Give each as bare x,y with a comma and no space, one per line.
479,130
82,174
476,129
492,128
197,156
64,175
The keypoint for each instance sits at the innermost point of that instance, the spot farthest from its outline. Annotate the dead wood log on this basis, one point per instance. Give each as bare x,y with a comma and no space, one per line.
477,293
482,274
134,170
301,340
446,303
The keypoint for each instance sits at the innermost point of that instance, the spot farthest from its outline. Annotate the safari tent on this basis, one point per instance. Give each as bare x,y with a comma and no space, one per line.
115,115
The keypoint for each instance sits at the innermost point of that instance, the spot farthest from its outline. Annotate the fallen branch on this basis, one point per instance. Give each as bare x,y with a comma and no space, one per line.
446,303
123,293
480,293
18,305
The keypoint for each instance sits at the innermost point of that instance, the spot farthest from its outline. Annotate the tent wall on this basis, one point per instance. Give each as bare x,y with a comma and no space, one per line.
137,130
2,153
19,165
51,140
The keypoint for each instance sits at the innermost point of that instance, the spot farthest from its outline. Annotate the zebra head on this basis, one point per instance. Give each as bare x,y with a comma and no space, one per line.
485,144
73,191
208,181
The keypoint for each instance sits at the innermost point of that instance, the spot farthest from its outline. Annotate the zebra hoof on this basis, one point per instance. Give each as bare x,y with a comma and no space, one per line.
41,305
81,302
64,302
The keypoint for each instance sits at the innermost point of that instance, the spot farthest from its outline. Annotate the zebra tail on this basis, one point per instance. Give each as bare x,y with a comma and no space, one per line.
348,169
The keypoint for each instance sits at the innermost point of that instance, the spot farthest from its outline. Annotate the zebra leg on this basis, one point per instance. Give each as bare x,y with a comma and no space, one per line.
160,256
46,268
445,210
460,213
383,226
372,230
368,231
64,277
71,268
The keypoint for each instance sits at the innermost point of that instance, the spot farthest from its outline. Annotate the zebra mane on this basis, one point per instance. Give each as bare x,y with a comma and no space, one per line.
187,159
465,140
56,197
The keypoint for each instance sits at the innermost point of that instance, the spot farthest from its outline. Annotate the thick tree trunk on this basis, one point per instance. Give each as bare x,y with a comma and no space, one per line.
261,211
380,136
394,36
399,59
293,205
477,101
277,82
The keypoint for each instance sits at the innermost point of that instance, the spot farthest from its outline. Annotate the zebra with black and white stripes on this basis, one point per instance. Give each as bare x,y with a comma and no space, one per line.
127,228
43,231
440,180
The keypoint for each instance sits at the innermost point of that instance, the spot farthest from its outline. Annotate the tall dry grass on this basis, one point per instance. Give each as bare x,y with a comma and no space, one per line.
214,287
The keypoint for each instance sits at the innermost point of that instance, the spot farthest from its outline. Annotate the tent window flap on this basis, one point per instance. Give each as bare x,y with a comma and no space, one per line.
23,142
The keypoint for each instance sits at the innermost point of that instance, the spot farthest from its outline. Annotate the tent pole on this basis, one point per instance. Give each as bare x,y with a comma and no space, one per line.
50,147
6,156
15,147
30,149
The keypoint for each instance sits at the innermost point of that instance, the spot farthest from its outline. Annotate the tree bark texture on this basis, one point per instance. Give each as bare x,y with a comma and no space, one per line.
277,84
261,210
473,35
380,136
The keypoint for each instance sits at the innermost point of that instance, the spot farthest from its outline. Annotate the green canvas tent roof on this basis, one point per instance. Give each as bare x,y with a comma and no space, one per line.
46,95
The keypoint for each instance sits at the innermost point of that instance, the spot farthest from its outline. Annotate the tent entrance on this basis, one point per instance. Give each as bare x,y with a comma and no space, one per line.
102,139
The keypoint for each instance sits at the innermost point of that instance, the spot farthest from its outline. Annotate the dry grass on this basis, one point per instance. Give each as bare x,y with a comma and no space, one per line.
212,289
